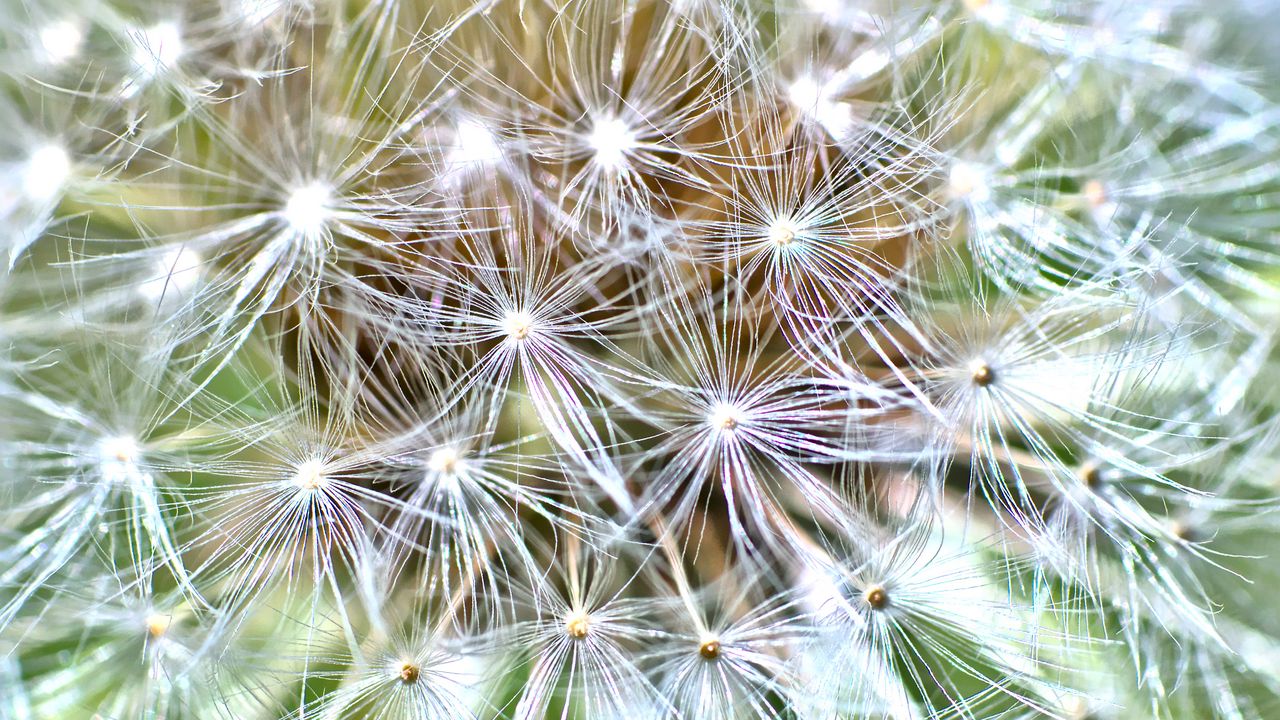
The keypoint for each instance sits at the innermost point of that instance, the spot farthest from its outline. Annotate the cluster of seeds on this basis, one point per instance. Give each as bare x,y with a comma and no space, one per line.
639,359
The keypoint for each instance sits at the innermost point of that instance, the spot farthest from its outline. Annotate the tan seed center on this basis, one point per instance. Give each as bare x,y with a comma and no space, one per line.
983,375
577,626
709,649
876,597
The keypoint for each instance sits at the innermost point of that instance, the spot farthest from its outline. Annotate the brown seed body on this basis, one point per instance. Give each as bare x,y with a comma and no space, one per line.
983,375
709,649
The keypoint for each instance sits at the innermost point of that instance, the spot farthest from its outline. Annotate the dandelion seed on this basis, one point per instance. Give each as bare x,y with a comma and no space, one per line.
577,625
157,48
158,625
782,233
724,650
132,656
518,324
444,461
257,12
176,274
709,648
474,145
611,142
1185,531
936,594
311,475
813,97
306,211
47,171
409,673
876,596
1095,193
968,182
60,41
1091,475
726,417
409,667
995,12
982,373
121,449
97,451
617,136
585,638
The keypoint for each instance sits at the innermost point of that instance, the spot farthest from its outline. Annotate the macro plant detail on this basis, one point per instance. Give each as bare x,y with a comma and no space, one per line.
639,359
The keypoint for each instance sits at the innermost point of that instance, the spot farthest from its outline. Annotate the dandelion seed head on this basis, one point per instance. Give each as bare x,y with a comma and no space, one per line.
518,324
60,41
725,417
611,140
310,475
157,48
554,363
46,172
709,648
577,625
307,209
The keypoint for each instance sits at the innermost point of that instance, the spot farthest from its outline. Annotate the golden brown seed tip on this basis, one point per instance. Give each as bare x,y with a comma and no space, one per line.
409,673
1185,531
1091,475
709,649
876,597
982,374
